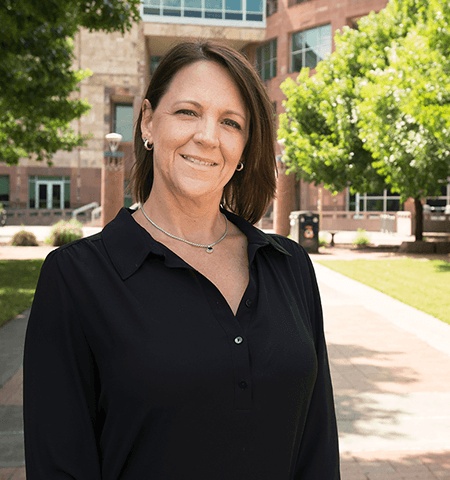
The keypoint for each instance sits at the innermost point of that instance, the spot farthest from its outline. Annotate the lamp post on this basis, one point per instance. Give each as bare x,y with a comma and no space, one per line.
112,179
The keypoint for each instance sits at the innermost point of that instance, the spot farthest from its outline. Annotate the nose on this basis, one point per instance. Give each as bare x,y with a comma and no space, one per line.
207,133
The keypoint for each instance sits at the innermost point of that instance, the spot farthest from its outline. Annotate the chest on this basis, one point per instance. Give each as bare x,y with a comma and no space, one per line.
166,335
229,275
227,267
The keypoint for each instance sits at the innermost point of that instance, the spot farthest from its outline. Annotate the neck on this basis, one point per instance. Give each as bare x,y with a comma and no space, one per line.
199,222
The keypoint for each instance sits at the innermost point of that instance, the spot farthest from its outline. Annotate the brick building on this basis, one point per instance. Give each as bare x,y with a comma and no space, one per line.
279,37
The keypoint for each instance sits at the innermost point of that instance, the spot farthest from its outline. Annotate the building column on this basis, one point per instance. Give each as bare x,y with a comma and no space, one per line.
284,202
112,186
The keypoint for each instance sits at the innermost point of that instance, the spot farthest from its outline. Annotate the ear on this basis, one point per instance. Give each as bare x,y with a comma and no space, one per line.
146,122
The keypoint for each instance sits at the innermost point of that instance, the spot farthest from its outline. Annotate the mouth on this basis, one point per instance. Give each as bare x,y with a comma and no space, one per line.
198,162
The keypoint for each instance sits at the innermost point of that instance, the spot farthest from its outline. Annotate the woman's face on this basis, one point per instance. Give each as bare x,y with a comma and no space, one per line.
198,130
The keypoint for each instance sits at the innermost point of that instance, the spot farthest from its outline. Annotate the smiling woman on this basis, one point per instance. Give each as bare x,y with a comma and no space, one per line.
182,342
199,132
249,193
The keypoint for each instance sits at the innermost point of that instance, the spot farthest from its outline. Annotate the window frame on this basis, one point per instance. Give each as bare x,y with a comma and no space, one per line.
34,181
114,118
206,13
304,50
272,61
6,202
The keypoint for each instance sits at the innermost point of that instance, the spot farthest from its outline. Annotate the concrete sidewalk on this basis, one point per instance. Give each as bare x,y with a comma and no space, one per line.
391,373
390,366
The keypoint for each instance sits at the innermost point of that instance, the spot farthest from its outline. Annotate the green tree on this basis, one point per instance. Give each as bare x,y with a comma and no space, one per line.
37,76
377,111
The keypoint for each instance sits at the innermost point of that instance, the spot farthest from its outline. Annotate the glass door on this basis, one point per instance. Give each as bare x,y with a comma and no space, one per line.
50,194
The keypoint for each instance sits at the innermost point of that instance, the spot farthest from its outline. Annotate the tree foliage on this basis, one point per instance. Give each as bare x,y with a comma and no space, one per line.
37,76
377,112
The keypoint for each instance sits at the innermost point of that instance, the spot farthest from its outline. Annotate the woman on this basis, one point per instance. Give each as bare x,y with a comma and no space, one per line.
181,342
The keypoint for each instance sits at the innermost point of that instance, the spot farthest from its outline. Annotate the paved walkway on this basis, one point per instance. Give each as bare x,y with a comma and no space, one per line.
391,373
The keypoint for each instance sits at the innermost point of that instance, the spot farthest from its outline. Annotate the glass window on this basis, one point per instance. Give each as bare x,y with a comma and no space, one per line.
384,201
4,190
123,121
154,62
234,5
271,7
193,8
193,4
213,9
266,60
210,9
172,8
310,47
152,7
254,6
127,198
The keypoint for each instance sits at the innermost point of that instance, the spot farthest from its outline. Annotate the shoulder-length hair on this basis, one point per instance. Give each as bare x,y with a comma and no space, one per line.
250,191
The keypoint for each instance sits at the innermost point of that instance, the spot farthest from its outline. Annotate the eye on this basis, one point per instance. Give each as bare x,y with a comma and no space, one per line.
185,111
232,123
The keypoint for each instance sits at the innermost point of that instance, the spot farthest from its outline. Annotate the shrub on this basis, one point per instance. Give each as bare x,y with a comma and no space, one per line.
361,238
64,232
24,239
322,241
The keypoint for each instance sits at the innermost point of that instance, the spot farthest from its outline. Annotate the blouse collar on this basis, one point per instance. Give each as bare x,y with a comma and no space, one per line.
128,244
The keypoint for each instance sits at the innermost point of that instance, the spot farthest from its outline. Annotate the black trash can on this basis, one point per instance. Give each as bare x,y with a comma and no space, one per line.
305,230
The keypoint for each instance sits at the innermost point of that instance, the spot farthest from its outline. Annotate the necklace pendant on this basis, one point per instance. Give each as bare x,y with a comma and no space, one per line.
209,249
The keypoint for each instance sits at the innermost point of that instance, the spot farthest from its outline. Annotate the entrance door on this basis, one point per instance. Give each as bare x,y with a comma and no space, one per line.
50,194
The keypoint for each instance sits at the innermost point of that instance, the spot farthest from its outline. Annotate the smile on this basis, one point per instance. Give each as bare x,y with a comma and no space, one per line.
198,162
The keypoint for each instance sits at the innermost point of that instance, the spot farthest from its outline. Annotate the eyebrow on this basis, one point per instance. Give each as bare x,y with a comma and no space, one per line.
198,105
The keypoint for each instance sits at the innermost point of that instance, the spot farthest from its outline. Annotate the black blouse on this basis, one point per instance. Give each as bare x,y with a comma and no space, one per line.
136,368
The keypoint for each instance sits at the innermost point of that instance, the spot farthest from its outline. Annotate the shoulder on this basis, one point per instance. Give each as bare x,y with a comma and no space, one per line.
298,261
79,253
292,247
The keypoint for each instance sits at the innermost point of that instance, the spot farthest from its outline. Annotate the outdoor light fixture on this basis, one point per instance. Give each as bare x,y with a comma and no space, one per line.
113,140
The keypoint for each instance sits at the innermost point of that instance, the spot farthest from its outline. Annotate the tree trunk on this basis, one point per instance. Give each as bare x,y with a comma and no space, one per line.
418,227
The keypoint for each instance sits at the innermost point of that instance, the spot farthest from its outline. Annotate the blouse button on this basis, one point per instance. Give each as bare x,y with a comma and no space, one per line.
248,303
243,384
238,340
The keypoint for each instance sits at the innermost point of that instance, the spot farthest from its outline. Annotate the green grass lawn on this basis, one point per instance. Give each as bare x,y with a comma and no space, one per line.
423,284
18,279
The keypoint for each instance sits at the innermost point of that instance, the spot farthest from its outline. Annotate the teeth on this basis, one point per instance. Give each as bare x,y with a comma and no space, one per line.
198,162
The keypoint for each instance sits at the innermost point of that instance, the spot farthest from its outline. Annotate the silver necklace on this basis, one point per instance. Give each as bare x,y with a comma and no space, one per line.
209,248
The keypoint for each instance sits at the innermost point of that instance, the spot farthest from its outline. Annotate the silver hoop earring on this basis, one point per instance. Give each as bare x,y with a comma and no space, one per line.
240,167
145,140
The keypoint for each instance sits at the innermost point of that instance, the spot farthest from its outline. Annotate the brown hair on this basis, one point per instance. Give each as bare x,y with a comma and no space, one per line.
249,192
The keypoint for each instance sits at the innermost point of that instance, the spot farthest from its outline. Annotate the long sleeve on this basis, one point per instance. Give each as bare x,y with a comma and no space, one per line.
60,418
319,454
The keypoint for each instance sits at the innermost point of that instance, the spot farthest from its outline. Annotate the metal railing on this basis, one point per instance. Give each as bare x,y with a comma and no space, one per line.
82,209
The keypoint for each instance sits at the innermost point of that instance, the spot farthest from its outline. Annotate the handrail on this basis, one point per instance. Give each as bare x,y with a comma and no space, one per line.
96,213
83,209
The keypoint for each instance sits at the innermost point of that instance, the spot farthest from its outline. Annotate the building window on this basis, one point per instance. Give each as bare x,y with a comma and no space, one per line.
154,62
4,190
375,202
209,10
441,202
266,60
271,7
310,47
123,121
48,192
127,197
